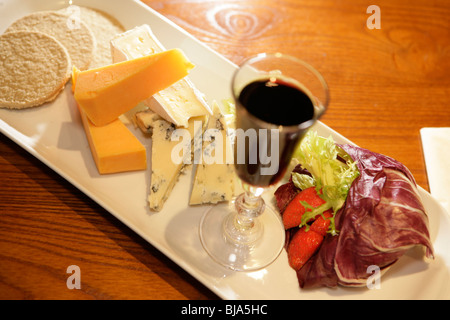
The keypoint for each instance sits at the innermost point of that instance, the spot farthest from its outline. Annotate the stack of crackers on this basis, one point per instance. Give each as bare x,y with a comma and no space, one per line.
39,51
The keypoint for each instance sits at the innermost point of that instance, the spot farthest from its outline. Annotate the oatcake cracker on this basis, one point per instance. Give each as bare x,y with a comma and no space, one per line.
104,28
34,68
77,38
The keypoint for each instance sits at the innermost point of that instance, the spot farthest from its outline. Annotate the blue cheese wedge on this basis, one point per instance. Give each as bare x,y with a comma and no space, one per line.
215,180
165,168
177,103
145,120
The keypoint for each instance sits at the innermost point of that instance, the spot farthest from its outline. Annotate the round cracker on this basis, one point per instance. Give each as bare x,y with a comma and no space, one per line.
34,68
74,35
103,26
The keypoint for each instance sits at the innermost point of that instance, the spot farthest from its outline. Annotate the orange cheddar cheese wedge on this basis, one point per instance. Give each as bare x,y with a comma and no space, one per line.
114,147
75,72
107,92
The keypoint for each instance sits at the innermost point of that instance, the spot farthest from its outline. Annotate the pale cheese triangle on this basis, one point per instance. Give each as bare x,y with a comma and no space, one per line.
215,178
166,166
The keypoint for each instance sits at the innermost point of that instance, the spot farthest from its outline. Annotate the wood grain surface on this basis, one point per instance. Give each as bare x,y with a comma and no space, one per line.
385,85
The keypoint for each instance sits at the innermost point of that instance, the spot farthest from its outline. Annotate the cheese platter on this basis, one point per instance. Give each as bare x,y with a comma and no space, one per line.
54,134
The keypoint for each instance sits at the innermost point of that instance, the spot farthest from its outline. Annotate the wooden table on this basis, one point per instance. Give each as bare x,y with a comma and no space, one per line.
385,85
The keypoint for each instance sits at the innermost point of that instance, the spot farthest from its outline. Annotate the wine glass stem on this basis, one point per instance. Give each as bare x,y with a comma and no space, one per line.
242,222
250,205
243,227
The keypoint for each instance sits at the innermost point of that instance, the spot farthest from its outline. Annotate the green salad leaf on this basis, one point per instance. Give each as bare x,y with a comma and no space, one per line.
332,170
229,106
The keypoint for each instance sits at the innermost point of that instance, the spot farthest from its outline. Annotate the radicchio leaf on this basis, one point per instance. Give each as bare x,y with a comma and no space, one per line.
383,217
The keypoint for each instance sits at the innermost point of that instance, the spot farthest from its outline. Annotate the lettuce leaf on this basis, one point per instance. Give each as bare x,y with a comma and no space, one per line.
229,107
333,172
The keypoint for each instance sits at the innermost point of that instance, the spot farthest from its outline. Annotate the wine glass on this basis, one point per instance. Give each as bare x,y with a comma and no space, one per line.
278,98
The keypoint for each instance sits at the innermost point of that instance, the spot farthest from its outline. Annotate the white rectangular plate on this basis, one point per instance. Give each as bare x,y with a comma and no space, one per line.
53,133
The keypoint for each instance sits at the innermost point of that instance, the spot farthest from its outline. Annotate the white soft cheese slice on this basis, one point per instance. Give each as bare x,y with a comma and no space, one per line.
215,179
177,103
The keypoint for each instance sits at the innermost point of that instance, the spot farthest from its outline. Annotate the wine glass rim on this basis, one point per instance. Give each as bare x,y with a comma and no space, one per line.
302,125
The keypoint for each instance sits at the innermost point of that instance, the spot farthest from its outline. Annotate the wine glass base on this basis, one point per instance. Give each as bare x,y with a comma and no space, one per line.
252,251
